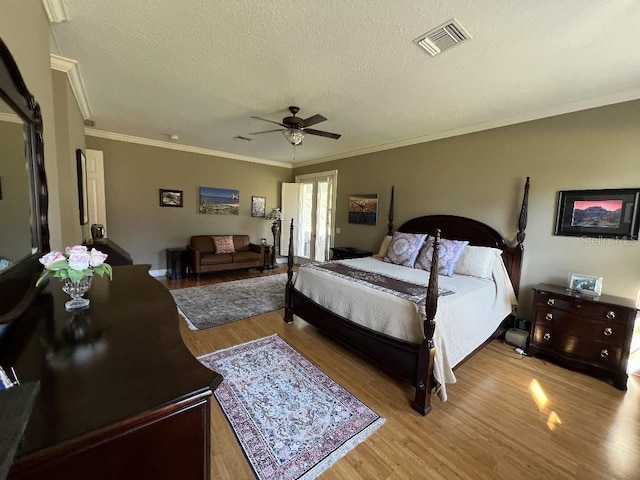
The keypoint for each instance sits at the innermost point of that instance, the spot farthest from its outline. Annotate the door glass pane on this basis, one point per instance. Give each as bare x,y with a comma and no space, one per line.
306,221
322,233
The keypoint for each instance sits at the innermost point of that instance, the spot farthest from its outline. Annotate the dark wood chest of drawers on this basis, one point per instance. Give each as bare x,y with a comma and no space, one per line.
592,334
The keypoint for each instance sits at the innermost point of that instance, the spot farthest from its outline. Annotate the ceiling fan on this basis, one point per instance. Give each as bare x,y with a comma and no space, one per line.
295,128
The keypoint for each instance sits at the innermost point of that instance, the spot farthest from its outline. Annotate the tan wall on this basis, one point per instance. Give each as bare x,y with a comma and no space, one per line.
480,175
135,173
69,137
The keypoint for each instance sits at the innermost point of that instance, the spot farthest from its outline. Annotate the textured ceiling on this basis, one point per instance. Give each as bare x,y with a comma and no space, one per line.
200,68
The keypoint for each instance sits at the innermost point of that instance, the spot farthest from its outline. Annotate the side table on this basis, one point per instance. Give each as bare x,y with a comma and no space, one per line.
268,259
176,263
342,253
592,334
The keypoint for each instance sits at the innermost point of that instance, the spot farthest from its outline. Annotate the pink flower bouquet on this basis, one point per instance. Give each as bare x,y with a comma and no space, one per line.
77,262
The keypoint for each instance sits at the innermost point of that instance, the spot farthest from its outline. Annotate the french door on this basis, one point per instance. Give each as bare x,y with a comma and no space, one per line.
310,203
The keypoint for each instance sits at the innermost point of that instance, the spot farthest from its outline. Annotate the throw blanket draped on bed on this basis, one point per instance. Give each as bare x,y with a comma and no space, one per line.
414,292
464,320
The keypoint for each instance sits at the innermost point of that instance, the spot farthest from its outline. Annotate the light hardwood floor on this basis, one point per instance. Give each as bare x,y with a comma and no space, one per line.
491,427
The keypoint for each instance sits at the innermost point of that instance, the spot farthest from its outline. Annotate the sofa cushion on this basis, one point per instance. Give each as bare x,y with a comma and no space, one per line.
216,258
241,243
203,243
242,257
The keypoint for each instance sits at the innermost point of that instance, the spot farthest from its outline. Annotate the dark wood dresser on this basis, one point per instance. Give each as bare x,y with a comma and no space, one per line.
592,334
120,394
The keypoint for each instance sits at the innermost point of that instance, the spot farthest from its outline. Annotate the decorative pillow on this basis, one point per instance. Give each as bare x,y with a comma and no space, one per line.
384,246
224,244
450,251
477,261
404,248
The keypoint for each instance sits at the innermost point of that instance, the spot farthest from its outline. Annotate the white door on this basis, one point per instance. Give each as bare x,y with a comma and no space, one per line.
314,217
95,189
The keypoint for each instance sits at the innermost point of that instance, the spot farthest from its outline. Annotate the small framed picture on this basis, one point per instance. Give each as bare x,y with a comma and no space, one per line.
258,206
585,284
170,198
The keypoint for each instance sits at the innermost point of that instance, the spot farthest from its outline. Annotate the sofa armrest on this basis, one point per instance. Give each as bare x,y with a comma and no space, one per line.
194,257
254,247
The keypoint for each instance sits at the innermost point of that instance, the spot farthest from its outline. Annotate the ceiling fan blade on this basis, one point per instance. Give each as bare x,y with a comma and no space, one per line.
270,121
313,131
317,118
267,131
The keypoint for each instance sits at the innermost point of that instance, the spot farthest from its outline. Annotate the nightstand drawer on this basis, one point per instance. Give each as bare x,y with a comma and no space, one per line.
584,307
585,350
610,332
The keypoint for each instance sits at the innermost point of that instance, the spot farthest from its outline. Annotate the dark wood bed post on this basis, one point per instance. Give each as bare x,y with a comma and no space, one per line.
522,226
288,295
425,381
390,226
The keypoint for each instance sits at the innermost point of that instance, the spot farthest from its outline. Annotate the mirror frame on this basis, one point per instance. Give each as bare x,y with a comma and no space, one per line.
17,282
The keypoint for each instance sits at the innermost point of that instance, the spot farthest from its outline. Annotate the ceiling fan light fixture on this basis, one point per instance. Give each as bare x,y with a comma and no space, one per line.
293,135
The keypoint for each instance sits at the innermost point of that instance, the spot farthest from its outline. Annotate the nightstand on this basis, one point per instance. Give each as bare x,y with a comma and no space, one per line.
342,253
591,334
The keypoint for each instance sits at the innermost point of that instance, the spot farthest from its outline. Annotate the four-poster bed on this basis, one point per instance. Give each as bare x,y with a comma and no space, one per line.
407,357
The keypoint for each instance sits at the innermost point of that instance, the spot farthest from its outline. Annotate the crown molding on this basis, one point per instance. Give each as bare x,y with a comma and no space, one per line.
93,132
55,11
70,67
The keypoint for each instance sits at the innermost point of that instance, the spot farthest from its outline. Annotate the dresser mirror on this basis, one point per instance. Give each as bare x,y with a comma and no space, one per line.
24,232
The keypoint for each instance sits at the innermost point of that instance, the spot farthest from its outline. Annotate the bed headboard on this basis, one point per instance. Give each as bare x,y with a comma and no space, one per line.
477,233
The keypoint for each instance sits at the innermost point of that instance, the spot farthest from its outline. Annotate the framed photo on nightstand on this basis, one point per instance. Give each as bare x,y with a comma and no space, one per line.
585,284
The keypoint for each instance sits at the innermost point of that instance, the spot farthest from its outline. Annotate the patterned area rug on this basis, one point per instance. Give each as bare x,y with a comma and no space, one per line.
291,420
220,303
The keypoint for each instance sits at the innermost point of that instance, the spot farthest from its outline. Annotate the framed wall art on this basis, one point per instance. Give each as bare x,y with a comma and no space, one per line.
585,284
170,198
83,199
219,201
611,213
363,208
258,206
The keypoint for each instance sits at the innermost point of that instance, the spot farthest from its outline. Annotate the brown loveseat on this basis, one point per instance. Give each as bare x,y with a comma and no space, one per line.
203,257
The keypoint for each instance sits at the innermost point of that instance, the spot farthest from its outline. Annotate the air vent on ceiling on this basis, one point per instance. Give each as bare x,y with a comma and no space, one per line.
89,123
444,37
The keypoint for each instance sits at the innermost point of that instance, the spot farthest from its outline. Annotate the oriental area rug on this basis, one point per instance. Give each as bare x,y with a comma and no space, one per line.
212,305
292,420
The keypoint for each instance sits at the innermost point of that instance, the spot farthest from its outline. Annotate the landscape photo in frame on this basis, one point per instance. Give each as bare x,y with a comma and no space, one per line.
363,208
610,213
218,201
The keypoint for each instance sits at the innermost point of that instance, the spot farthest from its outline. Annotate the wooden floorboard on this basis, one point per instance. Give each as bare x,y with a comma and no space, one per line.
490,428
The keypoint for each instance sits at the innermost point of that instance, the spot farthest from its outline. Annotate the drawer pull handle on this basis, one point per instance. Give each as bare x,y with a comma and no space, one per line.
551,301
608,331
611,315
604,353
547,336
548,316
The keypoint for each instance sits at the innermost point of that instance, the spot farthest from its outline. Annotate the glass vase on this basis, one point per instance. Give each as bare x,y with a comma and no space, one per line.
76,290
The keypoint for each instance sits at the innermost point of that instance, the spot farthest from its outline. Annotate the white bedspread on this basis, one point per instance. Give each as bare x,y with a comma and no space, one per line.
464,320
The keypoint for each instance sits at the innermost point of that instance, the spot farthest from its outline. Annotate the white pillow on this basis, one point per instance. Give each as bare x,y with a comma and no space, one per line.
477,261
384,246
